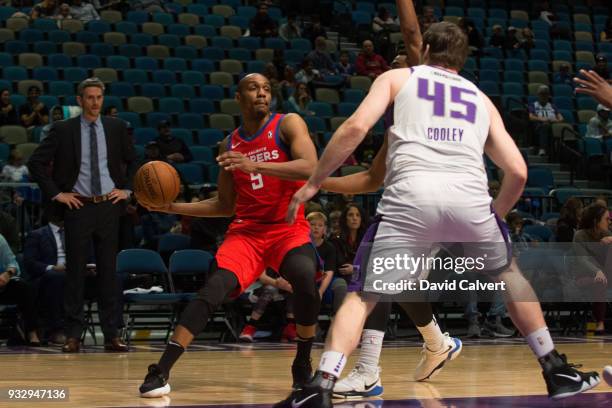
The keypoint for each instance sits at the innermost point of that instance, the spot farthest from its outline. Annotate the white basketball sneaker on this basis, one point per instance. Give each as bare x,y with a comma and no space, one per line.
432,361
361,382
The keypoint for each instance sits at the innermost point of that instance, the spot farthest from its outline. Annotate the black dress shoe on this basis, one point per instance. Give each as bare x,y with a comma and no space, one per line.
116,344
72,345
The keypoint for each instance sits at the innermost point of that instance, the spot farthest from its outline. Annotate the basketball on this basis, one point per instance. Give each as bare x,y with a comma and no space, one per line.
607,375
156,183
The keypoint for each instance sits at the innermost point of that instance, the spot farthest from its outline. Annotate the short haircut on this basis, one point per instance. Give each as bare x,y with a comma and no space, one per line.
88,83
316,215
448,45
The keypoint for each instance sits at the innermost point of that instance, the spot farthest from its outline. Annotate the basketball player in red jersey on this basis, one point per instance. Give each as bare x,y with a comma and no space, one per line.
261,162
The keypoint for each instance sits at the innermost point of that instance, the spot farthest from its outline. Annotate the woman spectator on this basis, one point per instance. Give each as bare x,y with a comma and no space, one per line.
384,21
569,219
307,74
300,100
606,34
44,9
527,39
591,243
8,113
15,170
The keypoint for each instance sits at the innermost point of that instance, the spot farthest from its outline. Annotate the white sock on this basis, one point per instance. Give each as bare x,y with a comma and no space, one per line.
540,342
371,346
332,362
432,335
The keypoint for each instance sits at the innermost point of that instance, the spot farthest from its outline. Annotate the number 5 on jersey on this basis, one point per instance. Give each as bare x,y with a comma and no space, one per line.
257,181
467,110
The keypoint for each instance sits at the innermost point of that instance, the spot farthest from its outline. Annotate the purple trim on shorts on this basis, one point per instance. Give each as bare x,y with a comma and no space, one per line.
505,231
358,278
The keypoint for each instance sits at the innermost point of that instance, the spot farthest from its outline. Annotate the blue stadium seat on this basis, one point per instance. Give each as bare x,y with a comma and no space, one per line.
169,40
135,76
512,89
192,78
347,108
353,95
568,115
186,52
197,9
489,75
45,74
213,53
87,37
61,88
130,50
182,91
454,11
361,18
190,173
175,64
14,73
144,135
275,43
212,92
202,154
122,89
6,12
294,57
137,17
213,173
153,90
256,66
31,35
365,7
154,118
205,30
541,232
171,105
201,106
112,100
164,77
181,30
75,74
59,36
563,102
89,61
16,47
586,102
210,137
224,43
593,147
142,39
175,8
489,63
493,52
315,124
49,100
45,24
562,90
518,23
562,56
321,109
498,13
203,65
164,19
118,62
514,76
246,11
214,20
489,88
98,26
514,65
183,134
146,63
17,99
477,12
102,49
239,21
250,43
45,47
562,45
132,118
540,177
537,65
584,46
541,45
126,27
240,54
470,64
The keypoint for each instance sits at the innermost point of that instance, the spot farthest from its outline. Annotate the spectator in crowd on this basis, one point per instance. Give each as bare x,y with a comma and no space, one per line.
498,39
15,171
326,251
207,233
270,72
152,6
606,34
549,16
512,42
526,39
152,152
334,224
475,39
288,82
542,113
563,76
271,288
278,59
34,112
57,113
8,113
427,19
119,5
344,66
173,149
262,25
517,234
321,60
569,219
314,30
367,149
307,74
111,111
15,291
591,243
369,63
63,13
383,21
44,255
600,125
44,9
291,29
83,11
300,100
601,67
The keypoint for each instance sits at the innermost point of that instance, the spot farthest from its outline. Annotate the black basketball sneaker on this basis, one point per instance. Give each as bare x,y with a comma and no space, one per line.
155,383
563,379
315,394
302,374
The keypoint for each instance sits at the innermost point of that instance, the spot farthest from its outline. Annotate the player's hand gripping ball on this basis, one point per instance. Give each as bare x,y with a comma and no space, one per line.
156,184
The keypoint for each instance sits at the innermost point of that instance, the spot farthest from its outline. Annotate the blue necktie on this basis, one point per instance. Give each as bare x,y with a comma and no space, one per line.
96,185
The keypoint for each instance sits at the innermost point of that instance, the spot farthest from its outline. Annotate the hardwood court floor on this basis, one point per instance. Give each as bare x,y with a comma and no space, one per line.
253,376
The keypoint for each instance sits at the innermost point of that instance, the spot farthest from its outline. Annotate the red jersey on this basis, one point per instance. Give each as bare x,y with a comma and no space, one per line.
260,198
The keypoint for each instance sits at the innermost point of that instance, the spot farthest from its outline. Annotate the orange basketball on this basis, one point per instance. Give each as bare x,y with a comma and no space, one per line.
156,183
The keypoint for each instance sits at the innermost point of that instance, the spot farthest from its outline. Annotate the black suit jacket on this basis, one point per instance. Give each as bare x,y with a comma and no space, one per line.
40,251
61,150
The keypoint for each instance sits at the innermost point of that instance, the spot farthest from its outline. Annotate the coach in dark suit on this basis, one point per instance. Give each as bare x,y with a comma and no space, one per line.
92,160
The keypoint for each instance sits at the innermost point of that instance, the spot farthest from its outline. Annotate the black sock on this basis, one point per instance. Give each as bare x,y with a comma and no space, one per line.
253,322
172,353
304,346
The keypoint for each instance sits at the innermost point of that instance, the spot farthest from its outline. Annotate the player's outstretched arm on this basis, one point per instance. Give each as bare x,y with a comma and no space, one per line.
595,86
364,181
411,32
223,205
500,147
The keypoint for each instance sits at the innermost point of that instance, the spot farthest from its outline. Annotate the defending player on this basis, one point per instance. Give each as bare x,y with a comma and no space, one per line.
436,191
261,162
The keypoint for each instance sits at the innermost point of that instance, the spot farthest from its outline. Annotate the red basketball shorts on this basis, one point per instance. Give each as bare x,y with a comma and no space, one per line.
250,247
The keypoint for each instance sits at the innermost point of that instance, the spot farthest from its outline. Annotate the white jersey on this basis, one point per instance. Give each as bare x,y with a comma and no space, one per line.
441,124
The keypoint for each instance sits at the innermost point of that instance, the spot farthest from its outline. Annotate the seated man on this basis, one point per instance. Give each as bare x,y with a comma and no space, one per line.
173,149
600,125
542,113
